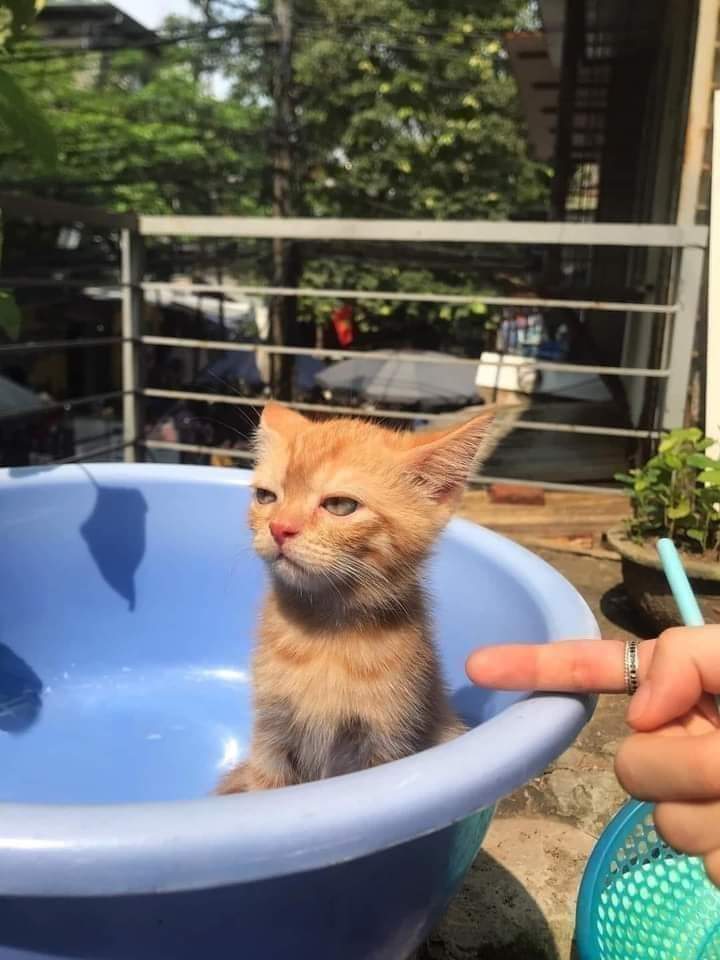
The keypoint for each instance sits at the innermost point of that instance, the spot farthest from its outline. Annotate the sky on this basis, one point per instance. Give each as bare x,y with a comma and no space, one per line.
151,13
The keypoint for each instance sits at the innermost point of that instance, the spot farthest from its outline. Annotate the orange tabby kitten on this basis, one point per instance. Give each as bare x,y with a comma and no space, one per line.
345,514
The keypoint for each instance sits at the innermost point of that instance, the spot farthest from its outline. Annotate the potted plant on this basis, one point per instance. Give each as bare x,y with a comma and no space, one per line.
675,494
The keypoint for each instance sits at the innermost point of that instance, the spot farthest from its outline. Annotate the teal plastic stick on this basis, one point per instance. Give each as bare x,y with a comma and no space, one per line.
682,592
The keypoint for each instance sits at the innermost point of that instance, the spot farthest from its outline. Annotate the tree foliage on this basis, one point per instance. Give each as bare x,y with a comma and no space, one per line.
410,110
138,130
401,108
19,113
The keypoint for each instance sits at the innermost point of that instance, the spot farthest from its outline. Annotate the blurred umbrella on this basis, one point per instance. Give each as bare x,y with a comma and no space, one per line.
438,381
15,398
235,365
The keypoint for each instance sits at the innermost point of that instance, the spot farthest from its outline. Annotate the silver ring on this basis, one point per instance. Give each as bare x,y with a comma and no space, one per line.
631,664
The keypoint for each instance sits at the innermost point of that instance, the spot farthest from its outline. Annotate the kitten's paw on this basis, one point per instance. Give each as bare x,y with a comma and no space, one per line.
236,781
246,778
451,730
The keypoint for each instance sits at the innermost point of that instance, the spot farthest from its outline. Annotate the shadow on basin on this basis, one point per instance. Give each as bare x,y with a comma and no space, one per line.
114,531
20,692
115,535
475,705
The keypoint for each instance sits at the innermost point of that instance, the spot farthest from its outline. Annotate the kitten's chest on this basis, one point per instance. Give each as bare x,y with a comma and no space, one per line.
326,722
330,687
330,682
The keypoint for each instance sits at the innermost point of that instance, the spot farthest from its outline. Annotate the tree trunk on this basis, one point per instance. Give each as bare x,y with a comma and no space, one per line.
286,265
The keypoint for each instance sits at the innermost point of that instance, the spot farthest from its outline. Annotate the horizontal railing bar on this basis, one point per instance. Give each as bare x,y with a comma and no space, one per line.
198,448
421,231
476,478
553,427
387,414
28,346
604,306
231,345
65,404
87,454
340,294
481,478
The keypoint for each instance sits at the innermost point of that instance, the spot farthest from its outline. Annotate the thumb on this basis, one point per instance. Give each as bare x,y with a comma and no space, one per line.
685,664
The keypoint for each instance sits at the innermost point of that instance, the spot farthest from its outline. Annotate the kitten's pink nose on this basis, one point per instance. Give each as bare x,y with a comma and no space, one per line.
282,531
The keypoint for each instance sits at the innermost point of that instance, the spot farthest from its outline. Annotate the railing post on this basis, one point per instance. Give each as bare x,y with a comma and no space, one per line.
131,277
712,359
692,260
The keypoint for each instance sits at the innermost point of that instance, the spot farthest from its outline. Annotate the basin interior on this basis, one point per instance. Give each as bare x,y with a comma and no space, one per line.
128,602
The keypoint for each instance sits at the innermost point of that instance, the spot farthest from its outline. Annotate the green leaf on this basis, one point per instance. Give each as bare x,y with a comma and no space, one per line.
683,509
696,534
22,117
710,476
16,16
702,462
478,308
673,461
624,478
676,437
10,317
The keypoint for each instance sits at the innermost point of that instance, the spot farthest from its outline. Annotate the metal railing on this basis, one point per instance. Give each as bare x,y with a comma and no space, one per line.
45,211
677,317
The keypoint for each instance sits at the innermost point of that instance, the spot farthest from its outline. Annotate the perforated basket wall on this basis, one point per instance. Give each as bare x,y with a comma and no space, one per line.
640,898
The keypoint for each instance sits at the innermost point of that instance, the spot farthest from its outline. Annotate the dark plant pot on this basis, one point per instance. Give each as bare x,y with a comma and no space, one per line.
647,587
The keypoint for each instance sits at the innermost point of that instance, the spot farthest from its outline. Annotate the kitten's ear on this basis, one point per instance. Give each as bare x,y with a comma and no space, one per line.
441,461
282,421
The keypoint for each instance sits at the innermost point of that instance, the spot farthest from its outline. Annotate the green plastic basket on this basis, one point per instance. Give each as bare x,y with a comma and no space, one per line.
639,898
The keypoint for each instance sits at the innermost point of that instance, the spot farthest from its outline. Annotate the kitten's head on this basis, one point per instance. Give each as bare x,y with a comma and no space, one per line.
343,507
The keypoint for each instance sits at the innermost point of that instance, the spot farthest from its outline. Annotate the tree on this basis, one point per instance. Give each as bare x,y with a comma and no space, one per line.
153,140
402,108
399,108
19,114
409,109
135,130
21,118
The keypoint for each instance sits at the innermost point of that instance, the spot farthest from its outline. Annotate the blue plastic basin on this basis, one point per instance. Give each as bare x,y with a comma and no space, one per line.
128,598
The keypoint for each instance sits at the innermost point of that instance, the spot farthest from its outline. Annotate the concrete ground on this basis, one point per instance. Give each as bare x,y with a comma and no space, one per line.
518,901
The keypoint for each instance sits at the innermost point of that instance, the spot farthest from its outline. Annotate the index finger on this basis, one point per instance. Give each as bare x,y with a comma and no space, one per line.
571,666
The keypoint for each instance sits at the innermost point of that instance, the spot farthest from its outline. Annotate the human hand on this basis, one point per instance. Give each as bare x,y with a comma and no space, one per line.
673,757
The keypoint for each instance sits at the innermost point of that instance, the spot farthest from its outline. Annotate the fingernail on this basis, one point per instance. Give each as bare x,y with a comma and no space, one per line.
474,664
639,703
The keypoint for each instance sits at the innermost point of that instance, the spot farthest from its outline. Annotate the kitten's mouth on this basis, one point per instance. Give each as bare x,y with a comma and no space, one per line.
285,564
295,574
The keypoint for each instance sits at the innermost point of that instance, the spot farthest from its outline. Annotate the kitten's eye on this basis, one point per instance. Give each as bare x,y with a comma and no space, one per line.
264,497
340,506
